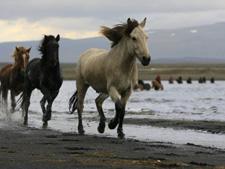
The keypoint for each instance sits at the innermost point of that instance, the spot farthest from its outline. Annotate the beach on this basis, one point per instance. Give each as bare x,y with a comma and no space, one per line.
27,147
179,127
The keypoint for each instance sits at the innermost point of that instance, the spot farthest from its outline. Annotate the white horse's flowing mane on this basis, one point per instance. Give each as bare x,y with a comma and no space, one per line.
120,30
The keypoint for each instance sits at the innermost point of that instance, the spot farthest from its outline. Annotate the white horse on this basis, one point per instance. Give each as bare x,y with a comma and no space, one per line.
111,73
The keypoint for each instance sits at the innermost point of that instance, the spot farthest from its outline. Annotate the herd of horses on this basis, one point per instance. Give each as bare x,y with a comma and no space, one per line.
157,85
189,80
111,73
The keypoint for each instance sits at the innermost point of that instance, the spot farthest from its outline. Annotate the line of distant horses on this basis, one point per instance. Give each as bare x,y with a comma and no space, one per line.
140,85
157,85
179,80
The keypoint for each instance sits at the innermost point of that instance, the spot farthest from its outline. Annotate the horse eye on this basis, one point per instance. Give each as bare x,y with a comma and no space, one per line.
134,39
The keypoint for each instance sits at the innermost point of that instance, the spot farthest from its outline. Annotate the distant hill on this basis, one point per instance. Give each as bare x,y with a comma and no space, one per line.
194,44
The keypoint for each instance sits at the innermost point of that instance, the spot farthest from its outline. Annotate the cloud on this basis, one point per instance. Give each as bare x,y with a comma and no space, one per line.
184,19
36,10
20,30
29,20
24,30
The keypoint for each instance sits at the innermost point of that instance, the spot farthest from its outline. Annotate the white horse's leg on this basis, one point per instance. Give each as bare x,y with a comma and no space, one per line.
99,101
120,109
113,93
81,91
124,99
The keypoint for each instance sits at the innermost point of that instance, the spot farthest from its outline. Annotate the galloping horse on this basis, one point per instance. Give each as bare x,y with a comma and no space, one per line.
44,74
156,85
12,76
111,73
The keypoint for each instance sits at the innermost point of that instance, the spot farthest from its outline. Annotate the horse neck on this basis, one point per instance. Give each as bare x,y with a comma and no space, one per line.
46,63
121,56
17,74
16,65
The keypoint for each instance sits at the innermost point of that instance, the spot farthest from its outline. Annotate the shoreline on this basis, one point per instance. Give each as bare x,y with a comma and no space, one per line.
26,147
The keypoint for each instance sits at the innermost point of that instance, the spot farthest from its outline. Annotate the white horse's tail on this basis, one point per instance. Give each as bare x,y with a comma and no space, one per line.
73,102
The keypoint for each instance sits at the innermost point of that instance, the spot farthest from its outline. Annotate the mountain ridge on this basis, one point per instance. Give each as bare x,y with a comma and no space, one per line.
193,44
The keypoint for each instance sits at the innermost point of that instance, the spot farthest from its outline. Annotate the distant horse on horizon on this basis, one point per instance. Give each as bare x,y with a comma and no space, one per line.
138,87
189,80
156,85
111,73
12,76
202,80
142,86
179,80
44,74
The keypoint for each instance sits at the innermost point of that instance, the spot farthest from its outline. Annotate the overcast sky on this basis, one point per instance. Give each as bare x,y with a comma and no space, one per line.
22,20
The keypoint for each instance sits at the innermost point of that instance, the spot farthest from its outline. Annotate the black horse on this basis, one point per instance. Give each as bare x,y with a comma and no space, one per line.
179,80
44,74
189,80
202,80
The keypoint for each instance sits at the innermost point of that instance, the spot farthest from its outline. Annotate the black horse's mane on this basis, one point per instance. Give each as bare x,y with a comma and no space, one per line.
44,42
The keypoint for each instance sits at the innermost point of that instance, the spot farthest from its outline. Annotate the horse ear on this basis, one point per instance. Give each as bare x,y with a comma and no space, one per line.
17,49
57,38
28,50
142,24
128,21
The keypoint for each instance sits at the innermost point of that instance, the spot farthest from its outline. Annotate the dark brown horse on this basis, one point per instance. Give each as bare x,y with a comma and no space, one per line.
12,76
156,85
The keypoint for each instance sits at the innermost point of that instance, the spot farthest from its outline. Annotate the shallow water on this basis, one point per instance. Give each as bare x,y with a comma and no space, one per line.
176,102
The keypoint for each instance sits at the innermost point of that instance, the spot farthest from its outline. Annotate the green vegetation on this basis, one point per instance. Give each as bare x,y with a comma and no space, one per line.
193,70
69,71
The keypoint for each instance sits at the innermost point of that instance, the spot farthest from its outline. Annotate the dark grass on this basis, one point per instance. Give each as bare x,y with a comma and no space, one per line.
193,70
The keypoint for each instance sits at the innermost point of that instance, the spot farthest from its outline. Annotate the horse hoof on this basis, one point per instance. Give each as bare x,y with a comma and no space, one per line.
25,123
101,127
45,124
81,132
48,116
112,124
121,135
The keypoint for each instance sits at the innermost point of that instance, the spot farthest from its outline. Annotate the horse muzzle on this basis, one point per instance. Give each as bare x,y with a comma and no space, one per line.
145,60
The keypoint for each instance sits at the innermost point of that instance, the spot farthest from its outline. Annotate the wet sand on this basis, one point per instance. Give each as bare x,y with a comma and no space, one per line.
203,125
25,147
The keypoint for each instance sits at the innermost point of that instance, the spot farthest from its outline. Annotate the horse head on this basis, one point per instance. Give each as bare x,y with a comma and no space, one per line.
136,39
49,48
138,42
21,56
